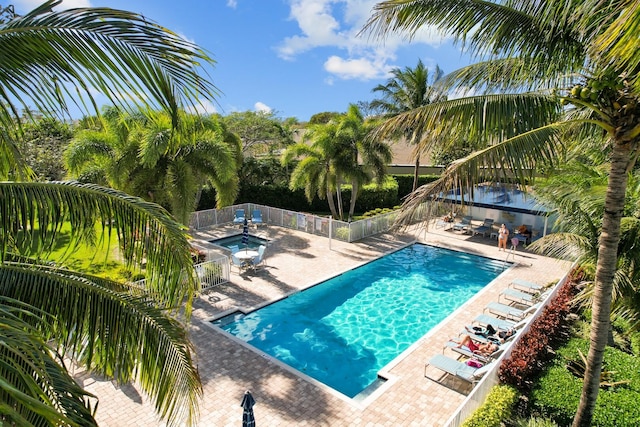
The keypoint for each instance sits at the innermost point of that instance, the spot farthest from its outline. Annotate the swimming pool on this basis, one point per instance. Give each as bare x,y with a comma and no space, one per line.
344,330
254,241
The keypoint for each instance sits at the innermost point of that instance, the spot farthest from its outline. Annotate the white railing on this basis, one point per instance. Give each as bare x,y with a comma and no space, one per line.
308,223
211,273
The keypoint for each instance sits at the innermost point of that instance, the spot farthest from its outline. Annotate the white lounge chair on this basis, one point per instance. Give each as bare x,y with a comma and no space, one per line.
465,351
526,286
456,368
509,311
485,319
518,297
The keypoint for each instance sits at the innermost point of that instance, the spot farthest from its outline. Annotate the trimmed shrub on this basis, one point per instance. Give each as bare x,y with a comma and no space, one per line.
557,392
405,183
497,407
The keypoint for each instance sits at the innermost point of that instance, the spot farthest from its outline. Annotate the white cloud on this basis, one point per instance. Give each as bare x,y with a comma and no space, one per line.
262,107
24,6
232,3
336,23
203,106
360,68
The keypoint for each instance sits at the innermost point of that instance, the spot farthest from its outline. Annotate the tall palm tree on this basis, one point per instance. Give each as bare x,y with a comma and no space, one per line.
408,89
143,156
315,171
49,312
540,46
358,156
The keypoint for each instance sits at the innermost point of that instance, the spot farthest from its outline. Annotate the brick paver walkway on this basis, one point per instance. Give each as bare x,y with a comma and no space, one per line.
295,261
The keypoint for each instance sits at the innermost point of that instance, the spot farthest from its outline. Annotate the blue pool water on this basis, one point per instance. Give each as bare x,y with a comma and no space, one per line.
236,240
343,331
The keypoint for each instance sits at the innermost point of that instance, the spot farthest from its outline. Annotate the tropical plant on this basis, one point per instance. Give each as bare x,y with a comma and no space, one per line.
315,172
42,145
142,155
49,312
406,90
359,157
340,150
529,48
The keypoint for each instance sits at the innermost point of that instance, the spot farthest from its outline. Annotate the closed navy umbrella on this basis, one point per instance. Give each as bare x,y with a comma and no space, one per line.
245,233
248,418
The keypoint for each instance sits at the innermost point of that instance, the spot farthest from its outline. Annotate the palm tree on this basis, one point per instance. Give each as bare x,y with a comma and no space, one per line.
143,156
48,311
316,171
408,89
359,157
529,48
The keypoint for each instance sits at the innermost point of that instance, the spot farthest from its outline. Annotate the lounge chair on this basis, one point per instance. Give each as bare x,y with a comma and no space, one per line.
509,311
526,286
465,351
468,330
485,228
463,225
519,297
239,218
456,369
256,217
485,319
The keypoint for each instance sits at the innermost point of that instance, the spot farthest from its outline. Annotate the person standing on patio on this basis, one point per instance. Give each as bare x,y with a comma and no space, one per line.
503,236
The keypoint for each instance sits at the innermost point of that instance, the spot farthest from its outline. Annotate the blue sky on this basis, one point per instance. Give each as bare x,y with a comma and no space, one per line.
293,57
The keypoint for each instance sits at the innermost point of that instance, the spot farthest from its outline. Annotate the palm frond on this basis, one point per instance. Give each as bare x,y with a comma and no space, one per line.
35,212
513,158
488,28
35,388
114,330
113,51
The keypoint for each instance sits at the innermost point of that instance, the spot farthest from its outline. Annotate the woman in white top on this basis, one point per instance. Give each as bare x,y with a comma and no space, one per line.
503,236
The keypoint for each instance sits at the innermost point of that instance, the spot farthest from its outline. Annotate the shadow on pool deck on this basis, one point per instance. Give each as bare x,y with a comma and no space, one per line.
294,261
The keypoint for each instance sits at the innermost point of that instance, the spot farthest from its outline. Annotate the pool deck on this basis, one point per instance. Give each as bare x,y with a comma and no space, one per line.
294,261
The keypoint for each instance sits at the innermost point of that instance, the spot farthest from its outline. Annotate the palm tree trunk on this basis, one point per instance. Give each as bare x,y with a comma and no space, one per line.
605,270
332,205
354,196
416,172
339,197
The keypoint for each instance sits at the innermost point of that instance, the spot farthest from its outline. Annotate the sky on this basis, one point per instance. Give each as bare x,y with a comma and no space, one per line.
294,58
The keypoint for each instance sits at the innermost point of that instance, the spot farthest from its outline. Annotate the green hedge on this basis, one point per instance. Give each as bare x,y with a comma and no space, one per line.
557,393
497,407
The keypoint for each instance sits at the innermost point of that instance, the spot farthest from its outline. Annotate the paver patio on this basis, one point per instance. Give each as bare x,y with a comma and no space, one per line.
294,261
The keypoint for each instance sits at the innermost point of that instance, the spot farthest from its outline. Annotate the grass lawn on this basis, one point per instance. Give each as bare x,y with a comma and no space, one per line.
100,259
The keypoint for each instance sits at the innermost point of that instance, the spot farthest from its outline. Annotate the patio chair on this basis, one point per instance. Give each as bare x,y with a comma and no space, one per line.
456,369
238,263
464,225
485,228
234,248
239,218
260,258
256,217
